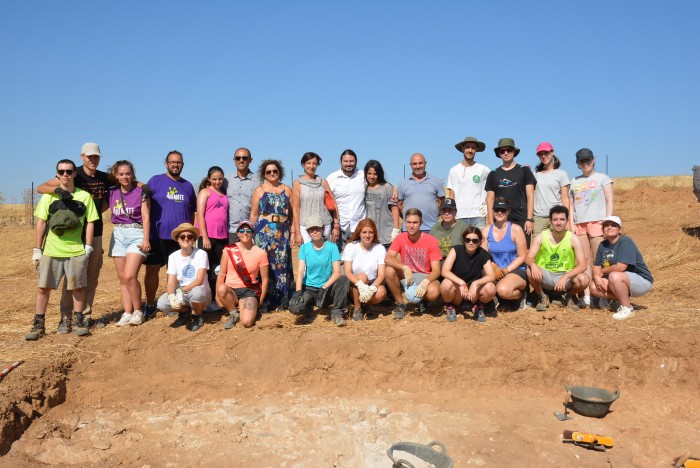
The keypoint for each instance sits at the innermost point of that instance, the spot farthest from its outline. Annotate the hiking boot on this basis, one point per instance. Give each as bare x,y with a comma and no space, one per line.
196,323
37,330
543,304
337,318
357,315
479,314
451,313
584,302
490,309
79,325
420,310
64,327
233,318
136,318
124,320
571,303
399,311
183,318
623,313
149,311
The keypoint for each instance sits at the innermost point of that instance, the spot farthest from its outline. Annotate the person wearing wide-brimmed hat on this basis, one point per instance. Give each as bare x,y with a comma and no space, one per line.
514,182
466,182
187,285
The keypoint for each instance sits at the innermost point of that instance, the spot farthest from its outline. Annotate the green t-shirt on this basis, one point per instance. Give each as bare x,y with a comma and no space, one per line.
70,243
558,258
447,238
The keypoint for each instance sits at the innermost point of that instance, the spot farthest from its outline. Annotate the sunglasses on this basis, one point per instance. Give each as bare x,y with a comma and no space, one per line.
505,150
272,171
241,158
186,237
245,231
64,171
471,240
500,210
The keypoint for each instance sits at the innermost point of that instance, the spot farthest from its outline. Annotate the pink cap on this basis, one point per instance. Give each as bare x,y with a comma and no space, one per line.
544,146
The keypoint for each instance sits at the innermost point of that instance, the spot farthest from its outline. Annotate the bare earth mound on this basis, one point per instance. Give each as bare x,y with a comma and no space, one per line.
280,394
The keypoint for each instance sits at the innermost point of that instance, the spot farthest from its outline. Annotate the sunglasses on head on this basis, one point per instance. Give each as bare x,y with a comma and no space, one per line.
64,171
186,237
471,240
245,231
241,158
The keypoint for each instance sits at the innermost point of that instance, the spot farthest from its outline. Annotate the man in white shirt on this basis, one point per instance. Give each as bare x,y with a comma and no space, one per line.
348,187
466,182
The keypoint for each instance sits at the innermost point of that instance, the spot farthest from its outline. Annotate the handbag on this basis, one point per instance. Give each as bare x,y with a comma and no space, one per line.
328,201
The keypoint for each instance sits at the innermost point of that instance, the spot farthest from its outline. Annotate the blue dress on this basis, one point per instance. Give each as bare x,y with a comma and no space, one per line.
274,238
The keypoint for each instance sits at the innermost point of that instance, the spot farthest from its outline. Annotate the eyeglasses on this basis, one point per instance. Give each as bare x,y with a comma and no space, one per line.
272,171
64,171
505,150
241,158
471,240
245,231
500,210
186,237
176,163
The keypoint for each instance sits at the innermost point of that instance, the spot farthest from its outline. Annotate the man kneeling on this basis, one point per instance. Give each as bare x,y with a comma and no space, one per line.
318,280
556,261
237,285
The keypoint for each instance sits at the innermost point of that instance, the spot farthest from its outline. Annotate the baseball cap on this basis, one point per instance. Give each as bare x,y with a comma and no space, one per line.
544,146
614,219
313,221
448,203
90,149
584,153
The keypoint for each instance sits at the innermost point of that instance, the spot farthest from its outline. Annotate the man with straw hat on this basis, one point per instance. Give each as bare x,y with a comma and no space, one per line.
466,182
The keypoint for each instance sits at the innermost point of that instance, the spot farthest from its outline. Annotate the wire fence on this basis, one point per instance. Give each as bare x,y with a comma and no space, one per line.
19,209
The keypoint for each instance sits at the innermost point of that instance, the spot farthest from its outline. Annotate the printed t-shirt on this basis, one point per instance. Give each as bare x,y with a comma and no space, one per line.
448,238
70,243
186,268
173,203
364,261
623,251
125,207
511,185
469,267
558,258
97,188
319,263
468,182
588,197
417,255
253,259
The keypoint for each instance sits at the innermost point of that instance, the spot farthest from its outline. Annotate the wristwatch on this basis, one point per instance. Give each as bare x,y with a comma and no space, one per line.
532,220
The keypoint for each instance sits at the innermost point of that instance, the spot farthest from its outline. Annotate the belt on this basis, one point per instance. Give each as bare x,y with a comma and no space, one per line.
132,225
274,218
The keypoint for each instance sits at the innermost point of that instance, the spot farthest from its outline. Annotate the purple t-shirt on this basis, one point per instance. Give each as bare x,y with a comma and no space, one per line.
125,205
174,202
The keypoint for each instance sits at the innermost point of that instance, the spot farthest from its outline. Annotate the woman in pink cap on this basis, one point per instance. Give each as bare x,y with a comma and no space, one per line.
552,186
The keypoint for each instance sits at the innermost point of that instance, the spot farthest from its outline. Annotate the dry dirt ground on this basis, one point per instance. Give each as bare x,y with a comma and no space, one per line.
284,395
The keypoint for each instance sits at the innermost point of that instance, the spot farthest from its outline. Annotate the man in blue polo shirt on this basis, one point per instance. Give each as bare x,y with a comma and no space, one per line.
423,191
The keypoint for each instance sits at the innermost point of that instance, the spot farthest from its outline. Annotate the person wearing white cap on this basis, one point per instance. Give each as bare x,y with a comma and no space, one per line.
619,270
95,182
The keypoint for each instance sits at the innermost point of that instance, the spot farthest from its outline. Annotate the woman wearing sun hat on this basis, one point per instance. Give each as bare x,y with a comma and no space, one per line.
552,187
187,285
514,182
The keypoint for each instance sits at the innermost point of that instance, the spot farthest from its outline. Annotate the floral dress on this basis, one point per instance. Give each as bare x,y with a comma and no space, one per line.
274,238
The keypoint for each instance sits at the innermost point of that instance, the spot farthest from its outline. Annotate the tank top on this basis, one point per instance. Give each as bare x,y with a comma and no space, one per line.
558,258
504,251
216,215
469,267
311,201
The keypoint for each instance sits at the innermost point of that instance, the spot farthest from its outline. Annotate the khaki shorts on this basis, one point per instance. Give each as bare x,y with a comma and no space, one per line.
541,223
52,269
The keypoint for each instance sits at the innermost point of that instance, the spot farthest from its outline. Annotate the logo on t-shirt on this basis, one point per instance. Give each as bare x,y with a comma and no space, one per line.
476,179
188,271
173,195
506,183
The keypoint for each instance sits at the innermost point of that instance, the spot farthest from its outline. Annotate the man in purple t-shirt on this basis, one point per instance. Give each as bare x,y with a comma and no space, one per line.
173,202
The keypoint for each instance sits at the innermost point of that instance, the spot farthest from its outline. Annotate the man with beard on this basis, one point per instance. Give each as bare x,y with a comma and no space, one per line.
174,202
348,187
422,191
466,182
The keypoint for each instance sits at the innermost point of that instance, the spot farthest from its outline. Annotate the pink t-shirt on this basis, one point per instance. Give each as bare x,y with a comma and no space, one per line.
216,215
417,255
253,259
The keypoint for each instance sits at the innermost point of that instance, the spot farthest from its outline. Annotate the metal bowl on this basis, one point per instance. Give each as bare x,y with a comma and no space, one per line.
591,401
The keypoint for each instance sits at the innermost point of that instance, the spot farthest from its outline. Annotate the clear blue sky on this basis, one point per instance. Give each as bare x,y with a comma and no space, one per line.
385,78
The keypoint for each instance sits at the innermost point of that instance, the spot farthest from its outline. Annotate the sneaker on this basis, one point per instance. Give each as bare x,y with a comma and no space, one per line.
543,304
571,303
136,318
479,314
79,325
399,311
337,318
420,310
183,318
451,314
584,302
233,318
523,304
196,323
37,330
149,311
64,327
623,313
357,315
604,303
490,309
124,320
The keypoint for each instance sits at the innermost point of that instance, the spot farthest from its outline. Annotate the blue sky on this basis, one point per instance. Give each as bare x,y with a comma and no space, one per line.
385,78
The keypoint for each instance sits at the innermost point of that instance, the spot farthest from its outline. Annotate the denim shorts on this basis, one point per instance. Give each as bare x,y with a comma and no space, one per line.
125,240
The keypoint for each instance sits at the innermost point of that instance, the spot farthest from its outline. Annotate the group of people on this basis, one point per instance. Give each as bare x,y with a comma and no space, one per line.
484,237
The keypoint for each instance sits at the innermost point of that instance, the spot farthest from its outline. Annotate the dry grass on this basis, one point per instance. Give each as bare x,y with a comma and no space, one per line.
665,182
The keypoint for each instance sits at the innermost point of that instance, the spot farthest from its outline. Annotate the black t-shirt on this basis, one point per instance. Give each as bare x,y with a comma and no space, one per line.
469,267
511,185
97,187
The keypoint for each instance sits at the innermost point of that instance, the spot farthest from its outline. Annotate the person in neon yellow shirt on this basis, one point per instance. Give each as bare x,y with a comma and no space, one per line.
556,261
61,250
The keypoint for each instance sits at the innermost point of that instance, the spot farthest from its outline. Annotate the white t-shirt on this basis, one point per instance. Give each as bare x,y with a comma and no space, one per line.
349,193
364,261
186,268
548,190
467,182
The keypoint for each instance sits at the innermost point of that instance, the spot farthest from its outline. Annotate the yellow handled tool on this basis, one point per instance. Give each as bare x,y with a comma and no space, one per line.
591,441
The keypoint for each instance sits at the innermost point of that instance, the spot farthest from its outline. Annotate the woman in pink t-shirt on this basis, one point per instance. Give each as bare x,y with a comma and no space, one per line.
212,219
